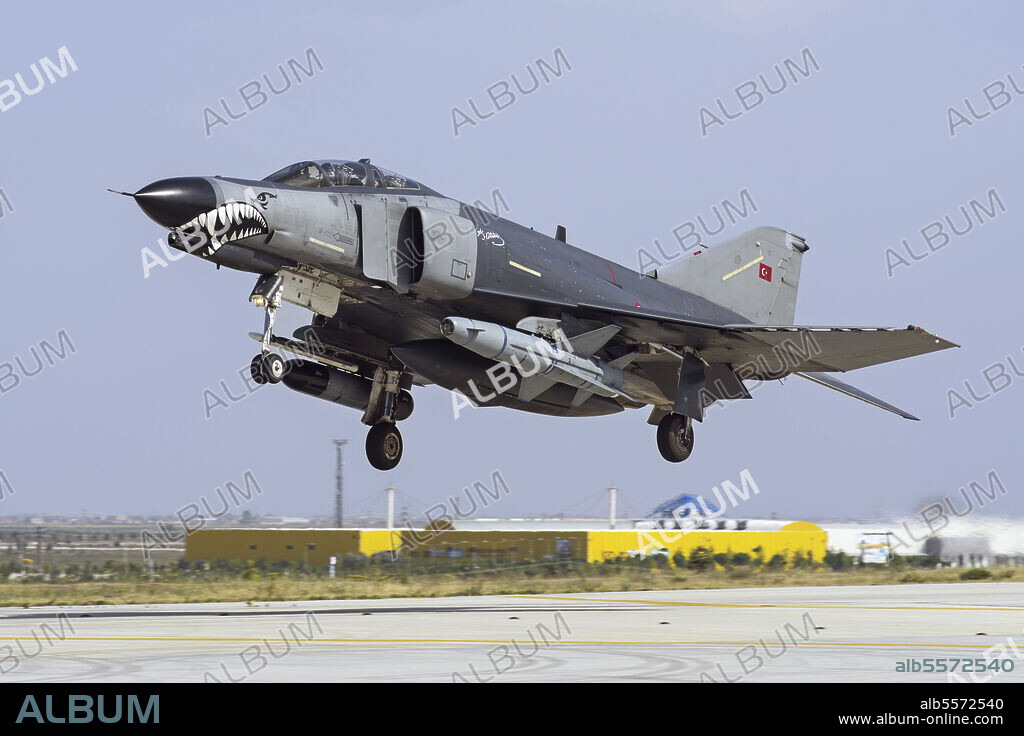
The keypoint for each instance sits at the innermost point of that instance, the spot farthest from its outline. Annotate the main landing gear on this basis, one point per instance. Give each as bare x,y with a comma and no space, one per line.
675,437
384,443
384,446
267,367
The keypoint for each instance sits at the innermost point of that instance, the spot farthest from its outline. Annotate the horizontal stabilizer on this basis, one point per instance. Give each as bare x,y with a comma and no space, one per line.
844,388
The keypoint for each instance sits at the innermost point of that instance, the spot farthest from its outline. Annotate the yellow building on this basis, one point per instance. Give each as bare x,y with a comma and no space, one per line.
313,546
800,536
481,545
316,546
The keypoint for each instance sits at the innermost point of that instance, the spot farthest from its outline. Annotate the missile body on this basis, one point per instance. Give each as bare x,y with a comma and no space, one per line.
534,356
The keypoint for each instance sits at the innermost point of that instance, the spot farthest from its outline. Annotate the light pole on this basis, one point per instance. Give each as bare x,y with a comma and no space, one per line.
339,482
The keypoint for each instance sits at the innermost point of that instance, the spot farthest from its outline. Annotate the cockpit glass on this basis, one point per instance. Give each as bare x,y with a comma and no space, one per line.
346,174
330,173
306,174
397,181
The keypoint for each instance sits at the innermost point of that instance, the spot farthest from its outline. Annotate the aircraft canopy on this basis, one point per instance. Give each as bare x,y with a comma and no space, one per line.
337,173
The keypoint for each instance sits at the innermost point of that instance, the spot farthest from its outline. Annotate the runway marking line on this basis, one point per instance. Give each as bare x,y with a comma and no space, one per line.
773,605
506,641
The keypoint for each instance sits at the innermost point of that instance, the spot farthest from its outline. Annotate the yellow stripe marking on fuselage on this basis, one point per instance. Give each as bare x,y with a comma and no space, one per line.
327,245
742,268
521,267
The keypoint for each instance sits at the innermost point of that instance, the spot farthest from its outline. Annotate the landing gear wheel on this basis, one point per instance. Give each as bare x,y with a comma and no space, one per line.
384,446
256,370
273,367
675,437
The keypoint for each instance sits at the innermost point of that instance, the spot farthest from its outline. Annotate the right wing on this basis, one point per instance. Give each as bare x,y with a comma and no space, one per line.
802,348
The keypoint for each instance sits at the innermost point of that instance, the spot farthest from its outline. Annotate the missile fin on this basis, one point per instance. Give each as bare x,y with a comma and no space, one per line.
581,395
533,386
623,361
584,393
590,342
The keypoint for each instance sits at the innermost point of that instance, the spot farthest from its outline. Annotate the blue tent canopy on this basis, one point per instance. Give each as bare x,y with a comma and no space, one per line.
687,503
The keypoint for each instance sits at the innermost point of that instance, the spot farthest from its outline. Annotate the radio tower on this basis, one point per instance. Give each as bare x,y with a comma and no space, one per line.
339,483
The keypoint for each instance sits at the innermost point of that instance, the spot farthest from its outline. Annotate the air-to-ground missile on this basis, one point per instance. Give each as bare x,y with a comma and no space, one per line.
540,362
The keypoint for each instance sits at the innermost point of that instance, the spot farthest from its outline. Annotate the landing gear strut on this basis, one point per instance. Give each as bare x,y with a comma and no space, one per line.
389,401
675,437
384,443
267,367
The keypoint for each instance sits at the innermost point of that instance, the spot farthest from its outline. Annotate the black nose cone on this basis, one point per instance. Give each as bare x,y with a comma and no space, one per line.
174,202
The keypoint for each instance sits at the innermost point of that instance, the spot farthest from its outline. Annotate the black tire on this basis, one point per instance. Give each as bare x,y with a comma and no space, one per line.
675,437
256,370
273,367
384,446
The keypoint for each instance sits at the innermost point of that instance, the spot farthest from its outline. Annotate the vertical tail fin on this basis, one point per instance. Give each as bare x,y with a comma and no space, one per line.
755,274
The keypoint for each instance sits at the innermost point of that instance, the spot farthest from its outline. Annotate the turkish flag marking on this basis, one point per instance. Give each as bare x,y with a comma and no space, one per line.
765,272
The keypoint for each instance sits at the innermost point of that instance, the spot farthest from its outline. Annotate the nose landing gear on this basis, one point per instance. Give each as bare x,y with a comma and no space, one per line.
389,400
267,367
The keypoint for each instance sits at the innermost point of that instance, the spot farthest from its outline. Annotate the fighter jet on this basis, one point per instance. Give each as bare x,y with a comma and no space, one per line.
409,287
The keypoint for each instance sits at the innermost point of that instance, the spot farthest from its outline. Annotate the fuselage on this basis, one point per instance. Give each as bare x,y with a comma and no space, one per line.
410,286
403,258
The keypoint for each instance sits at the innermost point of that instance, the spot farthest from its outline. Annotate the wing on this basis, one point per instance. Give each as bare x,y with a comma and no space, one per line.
838,348
803,348
784,349
732,353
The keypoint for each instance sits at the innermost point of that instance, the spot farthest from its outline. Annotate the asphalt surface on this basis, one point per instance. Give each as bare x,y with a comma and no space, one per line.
831,634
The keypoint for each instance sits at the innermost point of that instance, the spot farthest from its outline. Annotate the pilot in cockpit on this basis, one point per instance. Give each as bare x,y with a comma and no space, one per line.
348,174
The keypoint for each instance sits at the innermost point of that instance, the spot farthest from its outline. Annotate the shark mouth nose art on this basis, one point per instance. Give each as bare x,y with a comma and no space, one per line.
204,234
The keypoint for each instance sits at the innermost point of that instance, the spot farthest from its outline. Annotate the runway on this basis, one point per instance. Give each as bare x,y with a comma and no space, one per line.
830,634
